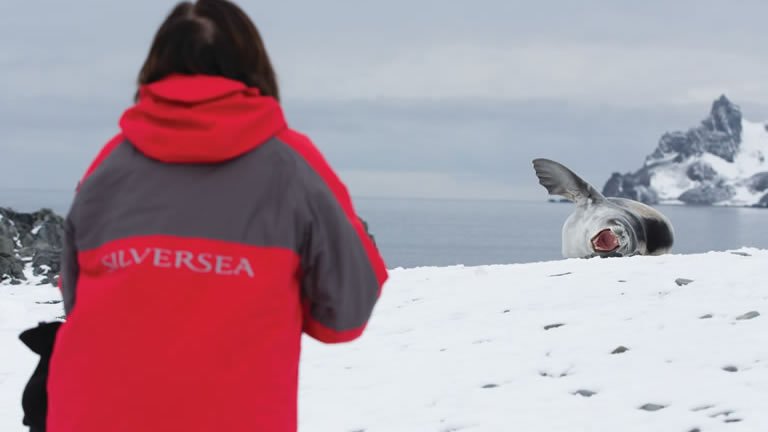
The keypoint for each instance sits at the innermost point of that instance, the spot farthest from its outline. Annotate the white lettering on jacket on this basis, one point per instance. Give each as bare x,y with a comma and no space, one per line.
223,265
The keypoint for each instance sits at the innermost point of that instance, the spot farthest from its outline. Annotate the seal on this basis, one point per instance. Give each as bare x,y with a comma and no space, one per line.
601,226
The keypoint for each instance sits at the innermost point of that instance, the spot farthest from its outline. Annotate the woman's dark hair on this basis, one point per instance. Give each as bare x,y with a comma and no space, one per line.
210,37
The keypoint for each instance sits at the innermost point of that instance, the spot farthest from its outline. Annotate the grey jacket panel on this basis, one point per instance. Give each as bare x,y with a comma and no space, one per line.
338,278
250,200
270,197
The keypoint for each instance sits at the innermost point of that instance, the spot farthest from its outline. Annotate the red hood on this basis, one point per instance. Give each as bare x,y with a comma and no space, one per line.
200,119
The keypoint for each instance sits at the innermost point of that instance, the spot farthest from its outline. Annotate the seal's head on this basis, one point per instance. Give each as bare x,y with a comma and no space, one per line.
616,238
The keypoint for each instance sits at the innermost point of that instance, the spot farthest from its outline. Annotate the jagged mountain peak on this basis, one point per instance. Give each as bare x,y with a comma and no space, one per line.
722,161
725,117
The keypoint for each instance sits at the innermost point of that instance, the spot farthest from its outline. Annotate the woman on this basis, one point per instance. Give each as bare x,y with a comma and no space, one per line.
203,241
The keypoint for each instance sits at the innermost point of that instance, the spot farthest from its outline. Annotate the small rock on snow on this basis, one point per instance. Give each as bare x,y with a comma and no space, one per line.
707,316
731,369
553,326
682,281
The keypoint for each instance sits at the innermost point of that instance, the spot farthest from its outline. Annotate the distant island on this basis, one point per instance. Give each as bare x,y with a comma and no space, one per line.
721,162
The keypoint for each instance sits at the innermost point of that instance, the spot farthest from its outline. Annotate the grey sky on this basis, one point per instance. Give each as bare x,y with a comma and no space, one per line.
406,98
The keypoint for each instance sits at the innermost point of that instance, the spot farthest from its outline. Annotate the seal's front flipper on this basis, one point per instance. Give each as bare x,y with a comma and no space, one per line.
559,180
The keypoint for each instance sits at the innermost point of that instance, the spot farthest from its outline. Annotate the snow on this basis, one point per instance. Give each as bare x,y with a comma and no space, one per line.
21,307
753,155
671,181
465,349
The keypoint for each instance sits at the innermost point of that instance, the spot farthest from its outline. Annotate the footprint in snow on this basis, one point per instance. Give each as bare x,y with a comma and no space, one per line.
748,316
652,407
584,393
454,429
561,274
702,408
726,416
620,350
562,374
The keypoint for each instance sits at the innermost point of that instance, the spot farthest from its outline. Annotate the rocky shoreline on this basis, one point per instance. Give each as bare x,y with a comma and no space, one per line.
30,240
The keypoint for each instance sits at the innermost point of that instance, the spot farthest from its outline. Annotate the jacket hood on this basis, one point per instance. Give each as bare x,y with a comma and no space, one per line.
200,119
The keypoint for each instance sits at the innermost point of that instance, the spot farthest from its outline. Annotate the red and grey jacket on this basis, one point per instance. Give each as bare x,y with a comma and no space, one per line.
203,241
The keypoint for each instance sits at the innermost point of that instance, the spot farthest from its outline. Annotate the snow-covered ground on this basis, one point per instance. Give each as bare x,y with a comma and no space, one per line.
523,348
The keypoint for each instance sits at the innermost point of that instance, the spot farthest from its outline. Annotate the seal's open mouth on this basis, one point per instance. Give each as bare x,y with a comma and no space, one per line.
605,241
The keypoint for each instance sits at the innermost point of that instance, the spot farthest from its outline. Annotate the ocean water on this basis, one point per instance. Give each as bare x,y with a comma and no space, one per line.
438,233
415,233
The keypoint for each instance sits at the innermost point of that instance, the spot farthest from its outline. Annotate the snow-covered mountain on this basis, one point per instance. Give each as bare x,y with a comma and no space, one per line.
723,161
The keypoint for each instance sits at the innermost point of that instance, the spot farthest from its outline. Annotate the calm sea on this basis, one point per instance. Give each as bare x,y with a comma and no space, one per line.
413,233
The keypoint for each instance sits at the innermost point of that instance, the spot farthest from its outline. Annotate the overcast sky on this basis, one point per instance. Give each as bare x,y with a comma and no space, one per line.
405,97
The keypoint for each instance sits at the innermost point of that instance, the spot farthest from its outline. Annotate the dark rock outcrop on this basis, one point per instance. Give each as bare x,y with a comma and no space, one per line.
758,182
636,186
701,172
30,238
707,195
763,202
11,269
